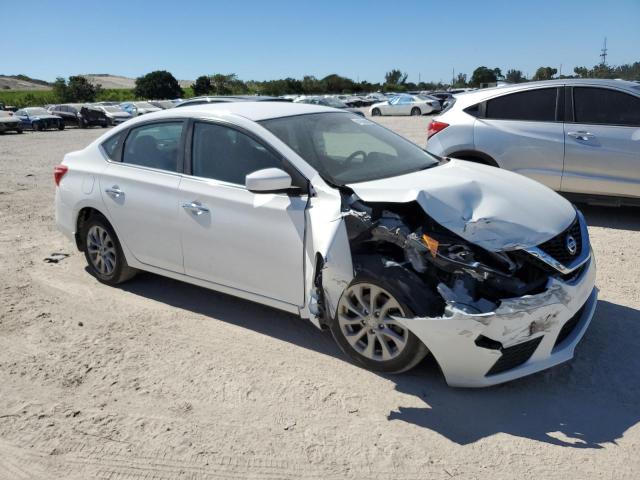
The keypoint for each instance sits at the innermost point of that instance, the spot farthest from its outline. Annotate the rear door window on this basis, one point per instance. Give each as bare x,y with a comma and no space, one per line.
531,105
602,106
154,145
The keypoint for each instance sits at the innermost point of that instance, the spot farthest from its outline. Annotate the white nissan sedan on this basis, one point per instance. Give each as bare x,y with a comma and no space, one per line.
322,213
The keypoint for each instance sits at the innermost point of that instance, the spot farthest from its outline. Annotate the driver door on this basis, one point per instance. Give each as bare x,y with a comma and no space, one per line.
230,236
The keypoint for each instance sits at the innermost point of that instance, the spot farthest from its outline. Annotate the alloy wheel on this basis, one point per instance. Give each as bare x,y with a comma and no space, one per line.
365,317
101,250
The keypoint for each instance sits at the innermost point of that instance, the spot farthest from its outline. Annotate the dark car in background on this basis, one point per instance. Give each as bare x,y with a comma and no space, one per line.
82,116
37,118
330,102
8,122
115,115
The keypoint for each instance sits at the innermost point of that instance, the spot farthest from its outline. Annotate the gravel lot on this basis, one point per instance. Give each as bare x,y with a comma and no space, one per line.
162,380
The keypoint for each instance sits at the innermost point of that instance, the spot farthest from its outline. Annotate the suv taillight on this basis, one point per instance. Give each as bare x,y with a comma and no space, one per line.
435,127
58,173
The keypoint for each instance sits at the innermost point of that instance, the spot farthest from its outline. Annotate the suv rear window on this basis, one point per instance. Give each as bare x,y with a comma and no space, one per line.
604,106
531,105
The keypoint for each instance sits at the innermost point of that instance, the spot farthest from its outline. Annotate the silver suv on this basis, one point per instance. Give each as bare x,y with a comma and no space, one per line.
580,137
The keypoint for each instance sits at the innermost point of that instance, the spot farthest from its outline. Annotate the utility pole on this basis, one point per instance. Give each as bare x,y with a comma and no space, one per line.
453,76
603,55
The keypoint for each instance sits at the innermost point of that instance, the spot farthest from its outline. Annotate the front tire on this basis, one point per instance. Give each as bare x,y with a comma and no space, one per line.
103,252
376,112
366,331
60,125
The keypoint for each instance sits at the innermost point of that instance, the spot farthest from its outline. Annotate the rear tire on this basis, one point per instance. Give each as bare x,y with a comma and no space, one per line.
103,252
19,130
60,125
416,112
376,112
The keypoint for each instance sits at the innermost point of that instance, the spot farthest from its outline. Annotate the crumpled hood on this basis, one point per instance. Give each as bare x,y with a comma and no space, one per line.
493,208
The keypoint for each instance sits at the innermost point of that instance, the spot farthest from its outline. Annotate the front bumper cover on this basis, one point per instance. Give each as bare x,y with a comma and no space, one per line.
452,338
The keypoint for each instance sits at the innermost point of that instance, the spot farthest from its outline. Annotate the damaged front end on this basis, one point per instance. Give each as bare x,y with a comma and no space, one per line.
498,315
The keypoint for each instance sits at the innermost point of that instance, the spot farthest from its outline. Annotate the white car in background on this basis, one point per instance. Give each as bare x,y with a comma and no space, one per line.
405,105
328,215
580,137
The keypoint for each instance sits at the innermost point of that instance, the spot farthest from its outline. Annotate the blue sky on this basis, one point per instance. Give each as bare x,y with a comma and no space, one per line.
263,40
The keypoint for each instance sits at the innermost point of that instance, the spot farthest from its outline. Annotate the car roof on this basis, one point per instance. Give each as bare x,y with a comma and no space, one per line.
254,111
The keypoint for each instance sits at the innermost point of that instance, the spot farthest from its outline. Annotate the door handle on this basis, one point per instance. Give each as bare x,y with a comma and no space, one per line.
581,135
195,207
115,191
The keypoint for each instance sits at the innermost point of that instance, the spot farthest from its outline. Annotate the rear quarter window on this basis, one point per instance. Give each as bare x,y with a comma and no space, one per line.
111,145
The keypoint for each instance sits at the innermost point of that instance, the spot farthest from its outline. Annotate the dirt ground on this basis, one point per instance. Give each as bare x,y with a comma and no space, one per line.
161,380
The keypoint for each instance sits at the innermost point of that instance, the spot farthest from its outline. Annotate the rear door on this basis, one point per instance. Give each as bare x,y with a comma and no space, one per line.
141,193
523,132
602,153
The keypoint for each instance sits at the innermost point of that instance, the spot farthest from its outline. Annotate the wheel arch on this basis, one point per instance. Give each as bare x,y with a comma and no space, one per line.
474,156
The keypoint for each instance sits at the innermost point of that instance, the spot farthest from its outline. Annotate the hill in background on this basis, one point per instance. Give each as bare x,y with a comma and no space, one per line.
22,82
25,83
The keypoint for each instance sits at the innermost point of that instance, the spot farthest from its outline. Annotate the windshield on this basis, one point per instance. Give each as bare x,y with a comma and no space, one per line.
36,111
346,148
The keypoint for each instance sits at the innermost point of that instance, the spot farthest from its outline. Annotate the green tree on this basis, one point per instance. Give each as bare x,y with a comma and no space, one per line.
159,84
545,73
202,85
80,90
484,75
395,77
60,90
460,81
515,76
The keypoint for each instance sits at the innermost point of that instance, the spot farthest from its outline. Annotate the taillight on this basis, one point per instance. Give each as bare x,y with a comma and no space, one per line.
435,127
58,173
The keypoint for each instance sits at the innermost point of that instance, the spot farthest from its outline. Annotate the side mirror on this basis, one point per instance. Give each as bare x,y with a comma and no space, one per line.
268,180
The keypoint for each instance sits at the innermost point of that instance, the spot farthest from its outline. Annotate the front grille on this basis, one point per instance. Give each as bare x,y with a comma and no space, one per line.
514,356
569,327
557,246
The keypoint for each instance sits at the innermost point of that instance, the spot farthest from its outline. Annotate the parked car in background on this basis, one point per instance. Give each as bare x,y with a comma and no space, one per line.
405,105
9,122
138,108
324,214
115,115
376,98
80,115
437,104
444,97
576,136
230,98
37,118
329,102
163,104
